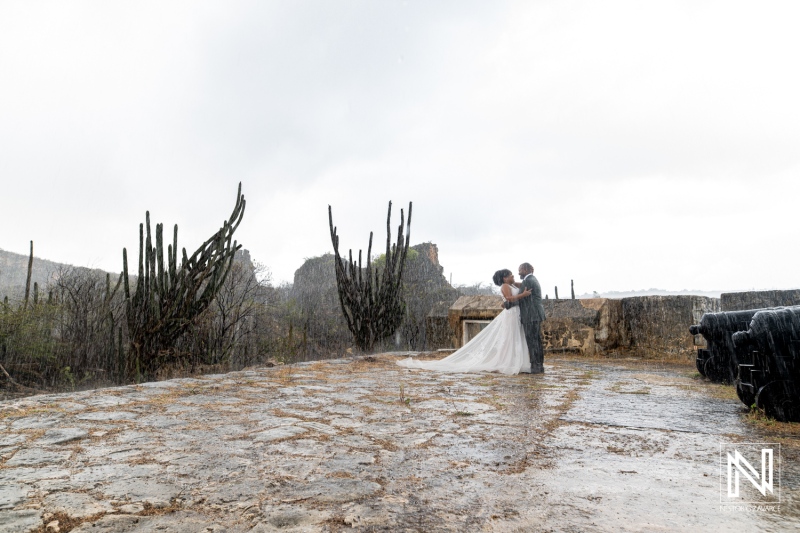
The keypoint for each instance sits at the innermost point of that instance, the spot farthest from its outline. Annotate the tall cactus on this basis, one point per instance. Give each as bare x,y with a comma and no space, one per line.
370,297
109,321
167,299
28,279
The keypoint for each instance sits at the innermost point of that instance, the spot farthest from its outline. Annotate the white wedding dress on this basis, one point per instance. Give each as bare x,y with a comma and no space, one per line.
499,347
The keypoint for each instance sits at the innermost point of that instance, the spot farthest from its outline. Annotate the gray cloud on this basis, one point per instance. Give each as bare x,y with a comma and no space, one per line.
600,141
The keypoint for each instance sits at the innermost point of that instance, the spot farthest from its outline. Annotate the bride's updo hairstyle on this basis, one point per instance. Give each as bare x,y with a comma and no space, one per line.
499,275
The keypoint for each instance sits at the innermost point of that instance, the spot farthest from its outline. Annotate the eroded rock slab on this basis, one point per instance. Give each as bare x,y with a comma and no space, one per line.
106,400
76,504
31,474
37,422
98,416
180,522
12,495
27,521
144,490
331,490
321,428
11,440
332,446
37,456
290,518
279,433
61,435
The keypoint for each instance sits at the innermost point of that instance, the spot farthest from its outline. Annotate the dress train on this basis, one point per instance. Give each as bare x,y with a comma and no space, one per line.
499,347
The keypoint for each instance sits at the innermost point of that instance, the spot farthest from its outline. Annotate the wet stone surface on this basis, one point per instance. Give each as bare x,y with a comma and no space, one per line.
641,400
61,435
339,446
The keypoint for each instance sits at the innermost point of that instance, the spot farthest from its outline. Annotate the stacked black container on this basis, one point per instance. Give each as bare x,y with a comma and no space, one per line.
771,378
759,351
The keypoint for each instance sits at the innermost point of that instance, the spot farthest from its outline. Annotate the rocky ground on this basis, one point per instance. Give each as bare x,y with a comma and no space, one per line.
364,445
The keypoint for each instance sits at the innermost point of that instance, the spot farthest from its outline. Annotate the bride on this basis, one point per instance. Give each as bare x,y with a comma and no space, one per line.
499,347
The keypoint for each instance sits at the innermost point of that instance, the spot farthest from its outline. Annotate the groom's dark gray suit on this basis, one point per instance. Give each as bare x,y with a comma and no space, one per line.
531,313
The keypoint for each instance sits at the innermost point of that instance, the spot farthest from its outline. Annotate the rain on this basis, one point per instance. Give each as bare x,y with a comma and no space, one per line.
204,298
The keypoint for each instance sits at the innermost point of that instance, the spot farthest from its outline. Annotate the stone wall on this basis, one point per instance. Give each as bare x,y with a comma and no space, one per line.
739,301
658,326
645,326
586,326
471,308
438,333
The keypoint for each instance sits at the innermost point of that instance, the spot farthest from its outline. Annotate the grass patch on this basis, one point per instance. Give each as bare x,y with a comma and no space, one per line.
618,388
719,391
404,399
151,510
65,522
556,422
495,402
21,412
774,428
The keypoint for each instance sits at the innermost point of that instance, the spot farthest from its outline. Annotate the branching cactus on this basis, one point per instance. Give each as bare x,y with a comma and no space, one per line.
371,298
168,297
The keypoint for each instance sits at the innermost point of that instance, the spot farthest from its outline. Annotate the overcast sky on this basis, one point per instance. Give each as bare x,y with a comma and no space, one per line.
625,145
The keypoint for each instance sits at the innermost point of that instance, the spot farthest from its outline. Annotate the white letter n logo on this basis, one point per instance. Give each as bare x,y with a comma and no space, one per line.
741,464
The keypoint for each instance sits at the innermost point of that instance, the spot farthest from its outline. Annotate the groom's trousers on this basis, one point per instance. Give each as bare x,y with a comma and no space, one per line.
533,336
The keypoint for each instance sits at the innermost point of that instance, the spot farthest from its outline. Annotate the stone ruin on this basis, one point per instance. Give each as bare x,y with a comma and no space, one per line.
739,301
644,326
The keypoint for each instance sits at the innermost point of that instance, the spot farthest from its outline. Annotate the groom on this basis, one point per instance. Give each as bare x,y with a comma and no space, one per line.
531,314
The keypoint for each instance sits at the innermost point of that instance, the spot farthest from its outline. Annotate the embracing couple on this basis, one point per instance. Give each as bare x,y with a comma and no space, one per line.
512,342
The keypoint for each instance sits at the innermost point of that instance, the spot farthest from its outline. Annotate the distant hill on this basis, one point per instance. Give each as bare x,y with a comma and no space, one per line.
14,268
14,271
650,292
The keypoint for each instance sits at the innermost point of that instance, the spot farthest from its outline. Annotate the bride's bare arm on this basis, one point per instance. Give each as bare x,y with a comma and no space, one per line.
506,290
